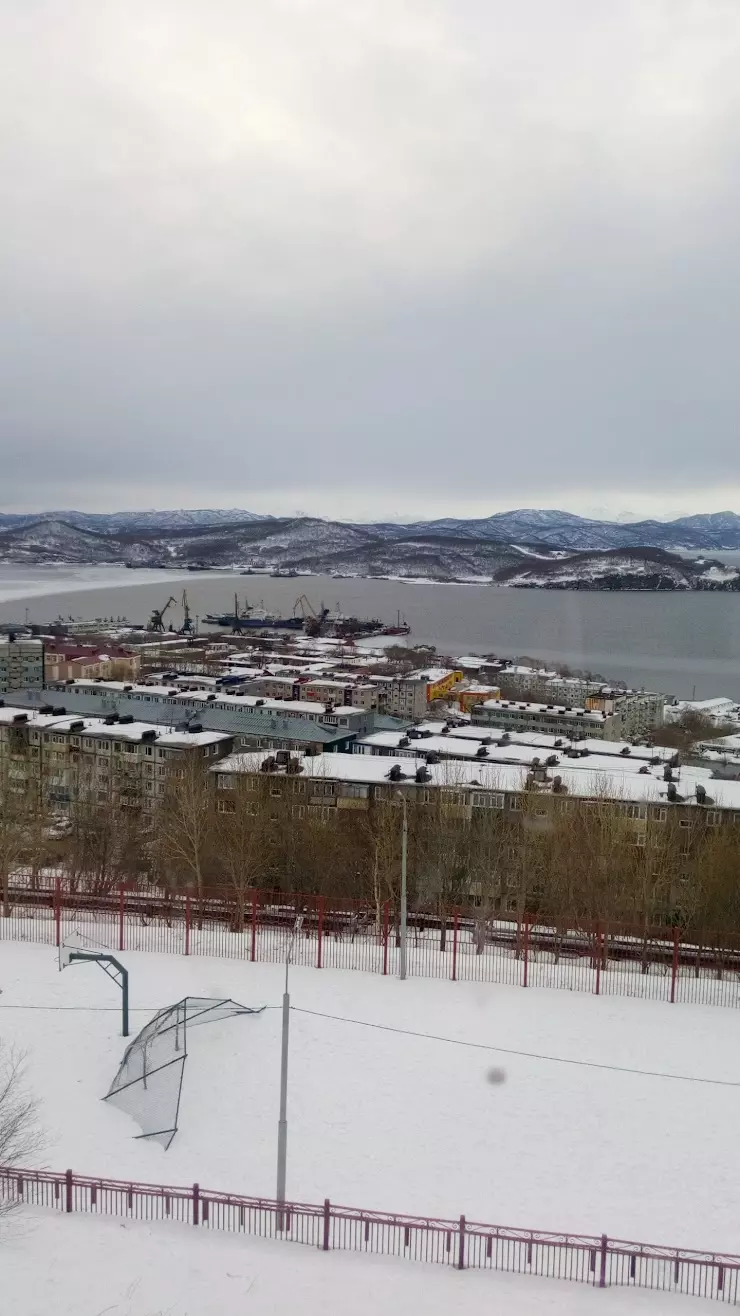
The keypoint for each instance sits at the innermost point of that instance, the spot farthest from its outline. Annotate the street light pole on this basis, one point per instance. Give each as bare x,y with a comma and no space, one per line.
282,1145
404,849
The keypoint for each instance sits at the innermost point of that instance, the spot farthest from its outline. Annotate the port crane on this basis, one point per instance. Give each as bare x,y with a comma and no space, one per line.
187,627
156,621
314,623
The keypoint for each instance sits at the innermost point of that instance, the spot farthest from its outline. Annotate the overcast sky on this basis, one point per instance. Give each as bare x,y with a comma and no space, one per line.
364,258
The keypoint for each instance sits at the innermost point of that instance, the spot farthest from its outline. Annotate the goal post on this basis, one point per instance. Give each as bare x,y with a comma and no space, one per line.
109,964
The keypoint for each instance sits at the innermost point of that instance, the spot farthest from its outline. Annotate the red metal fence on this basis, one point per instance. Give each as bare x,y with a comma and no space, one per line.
461,1243
461,945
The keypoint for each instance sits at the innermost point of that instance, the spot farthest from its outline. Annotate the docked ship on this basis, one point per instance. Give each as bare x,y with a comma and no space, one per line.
253,619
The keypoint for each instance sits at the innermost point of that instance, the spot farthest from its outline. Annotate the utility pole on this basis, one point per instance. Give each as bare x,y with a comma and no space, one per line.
404,911
282,1145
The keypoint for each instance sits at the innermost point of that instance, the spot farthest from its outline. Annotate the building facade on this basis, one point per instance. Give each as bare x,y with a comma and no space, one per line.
60,759
21,664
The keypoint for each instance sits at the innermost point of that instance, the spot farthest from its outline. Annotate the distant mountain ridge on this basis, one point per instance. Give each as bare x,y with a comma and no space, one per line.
545,526
712,530
434,552
111,523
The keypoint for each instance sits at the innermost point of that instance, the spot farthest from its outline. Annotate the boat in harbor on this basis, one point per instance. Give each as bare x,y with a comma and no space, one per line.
253,619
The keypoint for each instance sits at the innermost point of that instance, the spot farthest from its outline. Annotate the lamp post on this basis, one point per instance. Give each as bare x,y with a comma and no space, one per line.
403,920
282,1145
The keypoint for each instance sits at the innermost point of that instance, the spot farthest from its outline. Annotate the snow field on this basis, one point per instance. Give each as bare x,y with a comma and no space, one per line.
98,1266
382,1120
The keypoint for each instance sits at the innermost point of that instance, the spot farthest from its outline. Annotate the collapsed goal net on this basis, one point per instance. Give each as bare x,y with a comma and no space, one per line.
148,1084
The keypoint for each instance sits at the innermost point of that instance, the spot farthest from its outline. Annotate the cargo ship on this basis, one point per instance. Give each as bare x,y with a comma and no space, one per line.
253,619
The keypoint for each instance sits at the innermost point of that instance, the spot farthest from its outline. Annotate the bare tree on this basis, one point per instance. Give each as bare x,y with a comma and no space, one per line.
17,811
245,837
20,1133
185,822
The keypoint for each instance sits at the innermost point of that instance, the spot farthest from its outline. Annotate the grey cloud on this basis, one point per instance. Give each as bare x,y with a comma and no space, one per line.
369,258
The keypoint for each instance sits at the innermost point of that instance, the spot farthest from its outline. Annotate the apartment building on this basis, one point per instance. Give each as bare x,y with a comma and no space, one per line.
273,723
640,712
552,719
60,758
402,696
68,662
335,782
21,663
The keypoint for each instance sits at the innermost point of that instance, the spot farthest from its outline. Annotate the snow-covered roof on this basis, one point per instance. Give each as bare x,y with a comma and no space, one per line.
97,726
374,770
557,710
307,708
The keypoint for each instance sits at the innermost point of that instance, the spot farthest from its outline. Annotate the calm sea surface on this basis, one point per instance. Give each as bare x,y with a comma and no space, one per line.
671,642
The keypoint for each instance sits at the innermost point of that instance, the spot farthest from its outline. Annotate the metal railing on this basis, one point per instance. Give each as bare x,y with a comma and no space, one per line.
462,1244
458,944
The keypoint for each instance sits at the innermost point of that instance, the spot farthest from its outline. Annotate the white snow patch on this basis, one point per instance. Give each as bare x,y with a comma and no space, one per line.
379,1119
87,1265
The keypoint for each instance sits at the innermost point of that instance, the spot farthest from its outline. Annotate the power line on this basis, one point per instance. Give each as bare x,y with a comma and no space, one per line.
101,1009
428,1037
528,1055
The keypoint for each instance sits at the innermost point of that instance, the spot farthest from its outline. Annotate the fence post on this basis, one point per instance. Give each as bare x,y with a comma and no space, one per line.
68,1201
253,952
327,1223
187,922
455,922
526,950
461,1245
602,1267
58,909
196,1204
598,959
121,898
320,938
674,965
386,917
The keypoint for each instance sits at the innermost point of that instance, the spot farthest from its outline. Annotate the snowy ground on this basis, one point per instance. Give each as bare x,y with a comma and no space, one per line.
93,1266
387,1121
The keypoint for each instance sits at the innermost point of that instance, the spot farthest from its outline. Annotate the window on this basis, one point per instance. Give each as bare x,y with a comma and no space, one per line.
516,802
660,815
641,839
713,817
149,751
225,781
685,822
226,806
635,810
486,800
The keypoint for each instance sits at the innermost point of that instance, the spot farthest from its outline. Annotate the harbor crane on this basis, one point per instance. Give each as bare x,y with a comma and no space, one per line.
187,627
314,623
156,621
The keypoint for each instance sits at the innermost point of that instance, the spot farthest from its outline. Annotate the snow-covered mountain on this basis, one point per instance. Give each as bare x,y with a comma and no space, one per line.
112,523
715,530
643,569
545,526
309,544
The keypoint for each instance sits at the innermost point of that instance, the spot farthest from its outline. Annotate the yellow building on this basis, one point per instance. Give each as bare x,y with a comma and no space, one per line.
440,681
476,694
